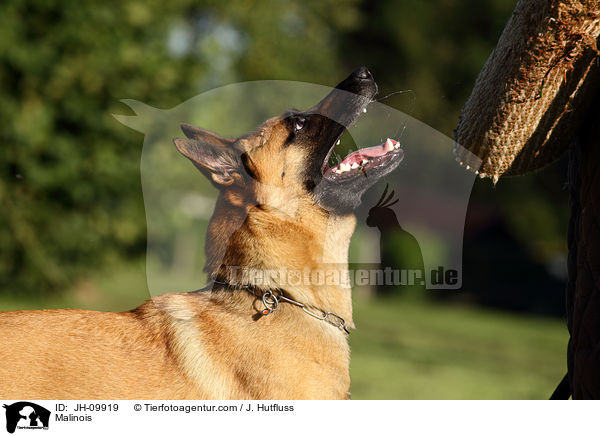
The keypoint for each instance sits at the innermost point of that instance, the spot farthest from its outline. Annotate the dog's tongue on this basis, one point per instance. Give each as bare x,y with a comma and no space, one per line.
365,153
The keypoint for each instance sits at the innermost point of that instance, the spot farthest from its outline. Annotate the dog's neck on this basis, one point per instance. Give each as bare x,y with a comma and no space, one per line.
305,255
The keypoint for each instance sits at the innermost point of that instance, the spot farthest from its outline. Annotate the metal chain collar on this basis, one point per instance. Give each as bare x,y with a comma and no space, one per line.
271,303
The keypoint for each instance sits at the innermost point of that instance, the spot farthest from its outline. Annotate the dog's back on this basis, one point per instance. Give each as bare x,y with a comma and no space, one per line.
56,354
185,346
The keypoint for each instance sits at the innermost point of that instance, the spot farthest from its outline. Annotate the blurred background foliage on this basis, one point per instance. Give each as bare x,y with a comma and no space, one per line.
70,189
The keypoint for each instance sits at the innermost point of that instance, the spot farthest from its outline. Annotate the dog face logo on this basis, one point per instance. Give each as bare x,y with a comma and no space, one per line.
26,415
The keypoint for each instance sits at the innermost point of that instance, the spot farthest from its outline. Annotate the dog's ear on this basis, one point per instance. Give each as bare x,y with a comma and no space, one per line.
212,154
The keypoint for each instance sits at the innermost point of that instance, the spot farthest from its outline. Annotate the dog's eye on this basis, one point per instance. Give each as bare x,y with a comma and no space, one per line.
299,124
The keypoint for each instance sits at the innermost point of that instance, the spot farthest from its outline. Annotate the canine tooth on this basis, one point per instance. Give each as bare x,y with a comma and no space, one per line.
338,142
389,145
344,167
364,110
364,161
354,165
397,146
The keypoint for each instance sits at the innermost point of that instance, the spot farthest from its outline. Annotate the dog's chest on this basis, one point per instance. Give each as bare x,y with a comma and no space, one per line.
261,361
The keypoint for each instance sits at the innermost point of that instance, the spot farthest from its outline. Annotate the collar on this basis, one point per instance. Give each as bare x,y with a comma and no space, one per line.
272,298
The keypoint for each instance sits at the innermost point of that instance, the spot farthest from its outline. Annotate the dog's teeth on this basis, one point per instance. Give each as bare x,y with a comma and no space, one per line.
338,142
397,146
364,110
364,161
389,145
344,167
355,165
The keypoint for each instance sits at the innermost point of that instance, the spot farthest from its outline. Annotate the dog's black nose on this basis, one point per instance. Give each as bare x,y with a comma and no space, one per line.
362,73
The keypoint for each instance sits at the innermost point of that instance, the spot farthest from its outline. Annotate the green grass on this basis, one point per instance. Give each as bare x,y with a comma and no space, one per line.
117,287
418,350
401,349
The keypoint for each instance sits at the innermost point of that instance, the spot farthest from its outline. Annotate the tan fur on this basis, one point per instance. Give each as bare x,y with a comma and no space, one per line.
208,345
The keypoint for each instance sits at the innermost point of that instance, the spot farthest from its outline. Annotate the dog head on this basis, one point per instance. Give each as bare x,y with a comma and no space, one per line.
287,157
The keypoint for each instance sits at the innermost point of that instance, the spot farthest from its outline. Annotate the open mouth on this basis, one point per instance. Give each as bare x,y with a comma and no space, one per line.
341,108
362,160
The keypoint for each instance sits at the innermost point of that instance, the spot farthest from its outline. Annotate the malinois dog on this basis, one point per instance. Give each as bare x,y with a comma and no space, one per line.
281,207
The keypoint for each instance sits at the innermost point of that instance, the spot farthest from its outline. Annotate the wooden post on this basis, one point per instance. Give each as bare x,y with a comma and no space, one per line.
583,288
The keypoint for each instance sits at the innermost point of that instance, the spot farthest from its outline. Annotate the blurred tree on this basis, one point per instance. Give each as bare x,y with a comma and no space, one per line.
70,188
435,49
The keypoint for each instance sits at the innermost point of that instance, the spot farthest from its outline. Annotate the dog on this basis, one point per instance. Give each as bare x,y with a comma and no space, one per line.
281,207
